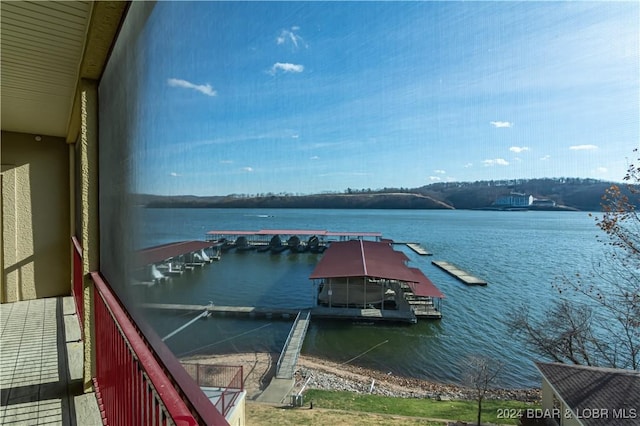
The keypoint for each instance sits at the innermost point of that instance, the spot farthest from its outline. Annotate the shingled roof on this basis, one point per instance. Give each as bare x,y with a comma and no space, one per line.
585,389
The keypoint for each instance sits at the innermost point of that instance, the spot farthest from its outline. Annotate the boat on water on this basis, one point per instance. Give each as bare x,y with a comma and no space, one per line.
314,246
296,245
227,244
276,246
242,244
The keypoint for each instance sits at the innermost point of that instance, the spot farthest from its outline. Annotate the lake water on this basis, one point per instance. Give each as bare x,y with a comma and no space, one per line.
520,254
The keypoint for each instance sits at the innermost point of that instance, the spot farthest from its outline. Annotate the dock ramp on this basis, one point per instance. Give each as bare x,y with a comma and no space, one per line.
291,351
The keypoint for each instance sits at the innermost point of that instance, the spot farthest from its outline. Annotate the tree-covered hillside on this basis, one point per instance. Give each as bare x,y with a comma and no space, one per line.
567,193
582,194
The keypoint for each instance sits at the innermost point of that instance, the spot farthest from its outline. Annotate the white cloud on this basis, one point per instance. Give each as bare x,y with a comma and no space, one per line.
285,67
501,124
174,174
545,158
315,157
290,36
519,149
247,169
295,136
583,147
602,170
496,162
434,178
466,166
440,172
202,88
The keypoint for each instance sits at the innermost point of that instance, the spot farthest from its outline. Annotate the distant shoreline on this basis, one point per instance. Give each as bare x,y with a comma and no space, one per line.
567,194
527,209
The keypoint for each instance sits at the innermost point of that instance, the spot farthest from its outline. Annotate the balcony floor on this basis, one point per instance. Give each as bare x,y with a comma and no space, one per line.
41,356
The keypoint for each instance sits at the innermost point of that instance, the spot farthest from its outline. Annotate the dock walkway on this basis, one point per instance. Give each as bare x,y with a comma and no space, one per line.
369,314
250,311
463,276
291,351
417,247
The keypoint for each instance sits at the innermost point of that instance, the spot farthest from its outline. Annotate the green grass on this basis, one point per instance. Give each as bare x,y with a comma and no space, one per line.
467,411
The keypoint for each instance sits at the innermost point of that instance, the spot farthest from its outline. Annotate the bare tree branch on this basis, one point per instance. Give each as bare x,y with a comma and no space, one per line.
606,331
480,373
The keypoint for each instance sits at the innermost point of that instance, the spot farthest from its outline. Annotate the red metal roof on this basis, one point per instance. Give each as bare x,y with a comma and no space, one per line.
358,258
231,233
403,257
167,251
354,234
297,232
290,232
423,285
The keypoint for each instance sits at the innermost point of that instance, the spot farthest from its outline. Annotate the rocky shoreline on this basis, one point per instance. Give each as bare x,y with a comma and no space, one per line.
322,374
318,373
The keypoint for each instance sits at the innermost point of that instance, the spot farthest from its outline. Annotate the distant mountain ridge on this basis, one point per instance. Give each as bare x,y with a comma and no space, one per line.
567,193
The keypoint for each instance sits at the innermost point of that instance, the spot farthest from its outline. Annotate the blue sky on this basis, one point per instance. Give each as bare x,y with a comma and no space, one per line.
306,97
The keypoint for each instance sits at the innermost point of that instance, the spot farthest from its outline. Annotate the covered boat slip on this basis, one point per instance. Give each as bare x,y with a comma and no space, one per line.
155,264
354,279
366,275
263,236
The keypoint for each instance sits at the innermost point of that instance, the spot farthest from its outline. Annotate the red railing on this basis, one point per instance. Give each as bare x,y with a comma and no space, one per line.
77,281
228,379
131,385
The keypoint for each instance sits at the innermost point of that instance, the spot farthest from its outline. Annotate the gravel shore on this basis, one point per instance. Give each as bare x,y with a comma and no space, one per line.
317,373
322,374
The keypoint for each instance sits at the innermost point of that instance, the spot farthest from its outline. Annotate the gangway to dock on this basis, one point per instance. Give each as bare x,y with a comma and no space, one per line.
291,351
463,276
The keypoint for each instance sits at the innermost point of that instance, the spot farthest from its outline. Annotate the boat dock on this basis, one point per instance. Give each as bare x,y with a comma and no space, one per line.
157,264
463,276
248,311
364,314
356,314
422,306
417,247
263,236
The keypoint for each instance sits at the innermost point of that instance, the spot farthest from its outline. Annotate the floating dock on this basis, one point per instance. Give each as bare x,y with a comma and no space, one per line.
249,311
356,314
417,247
463,276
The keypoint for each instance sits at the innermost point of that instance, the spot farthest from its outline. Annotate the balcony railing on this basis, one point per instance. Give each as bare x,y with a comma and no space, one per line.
228,379
138,386
77,280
